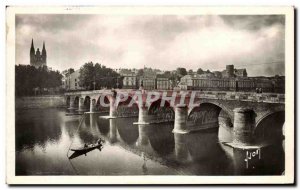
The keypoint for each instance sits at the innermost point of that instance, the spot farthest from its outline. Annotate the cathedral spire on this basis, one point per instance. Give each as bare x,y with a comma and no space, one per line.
32,53
44,53
32,45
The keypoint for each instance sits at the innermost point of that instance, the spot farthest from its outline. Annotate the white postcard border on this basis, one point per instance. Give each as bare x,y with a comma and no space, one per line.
288,177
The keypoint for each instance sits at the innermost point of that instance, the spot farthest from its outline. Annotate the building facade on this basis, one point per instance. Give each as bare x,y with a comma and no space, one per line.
240,73
187,80
245,84
129,78
37,58
148,79
163,83
147,83
72,81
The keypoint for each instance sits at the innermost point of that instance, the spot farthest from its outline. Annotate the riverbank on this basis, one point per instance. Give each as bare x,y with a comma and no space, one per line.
47,101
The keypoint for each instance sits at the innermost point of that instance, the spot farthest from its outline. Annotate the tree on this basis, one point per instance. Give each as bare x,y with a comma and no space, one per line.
190,72
29,78
67,72
200,71
99,75
181,71
167,73
87,75
140,72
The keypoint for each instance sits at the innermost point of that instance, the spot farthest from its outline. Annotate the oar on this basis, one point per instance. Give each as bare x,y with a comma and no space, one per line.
82,118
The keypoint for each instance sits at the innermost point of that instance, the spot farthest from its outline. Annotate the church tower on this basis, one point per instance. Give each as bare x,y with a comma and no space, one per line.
44,54
32,54
37,58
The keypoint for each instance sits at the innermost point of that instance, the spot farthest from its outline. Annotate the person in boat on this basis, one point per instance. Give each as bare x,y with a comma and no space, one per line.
100,141
85,145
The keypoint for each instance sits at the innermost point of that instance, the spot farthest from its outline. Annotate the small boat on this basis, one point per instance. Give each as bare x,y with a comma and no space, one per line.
89,147
79,153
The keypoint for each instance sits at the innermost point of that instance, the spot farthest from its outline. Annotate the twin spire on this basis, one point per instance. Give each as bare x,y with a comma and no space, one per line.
32,46
38,58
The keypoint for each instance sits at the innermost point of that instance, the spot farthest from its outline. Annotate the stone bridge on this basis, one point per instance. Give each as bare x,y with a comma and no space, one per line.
244,118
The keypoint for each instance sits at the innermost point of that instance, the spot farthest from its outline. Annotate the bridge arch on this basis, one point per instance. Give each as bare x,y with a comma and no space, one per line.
215,105
269,128
127,102
127,108
212,116
106,100
205,112
161,113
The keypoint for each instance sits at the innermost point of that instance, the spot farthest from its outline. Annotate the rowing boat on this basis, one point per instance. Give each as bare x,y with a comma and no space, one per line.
85,149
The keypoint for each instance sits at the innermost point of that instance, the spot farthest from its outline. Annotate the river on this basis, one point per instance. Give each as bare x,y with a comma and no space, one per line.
44,136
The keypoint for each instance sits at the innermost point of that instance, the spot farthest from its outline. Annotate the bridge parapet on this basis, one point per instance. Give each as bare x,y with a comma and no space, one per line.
76,93
218,95
243,96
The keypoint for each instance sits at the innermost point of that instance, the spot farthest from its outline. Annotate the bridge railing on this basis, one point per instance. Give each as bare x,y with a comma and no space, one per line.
223,95
243,96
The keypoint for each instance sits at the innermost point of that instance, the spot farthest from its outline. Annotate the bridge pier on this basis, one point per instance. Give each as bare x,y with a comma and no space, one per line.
243,126
72,103
112,108
81,104
246,154
143,115
180,121
93,106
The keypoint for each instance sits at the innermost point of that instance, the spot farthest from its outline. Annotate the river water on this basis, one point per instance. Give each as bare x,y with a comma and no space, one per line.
44,137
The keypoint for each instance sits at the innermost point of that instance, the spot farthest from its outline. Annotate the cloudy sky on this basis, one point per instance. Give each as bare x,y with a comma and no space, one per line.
162,41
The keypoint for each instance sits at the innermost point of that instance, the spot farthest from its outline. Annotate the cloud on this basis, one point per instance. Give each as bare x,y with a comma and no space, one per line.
158,41
253,22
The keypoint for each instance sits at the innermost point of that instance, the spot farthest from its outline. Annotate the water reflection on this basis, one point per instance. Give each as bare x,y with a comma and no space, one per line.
69,126
204,147
182,153
113,136
36,128
43,138
269,161
161,139
128,132
143,140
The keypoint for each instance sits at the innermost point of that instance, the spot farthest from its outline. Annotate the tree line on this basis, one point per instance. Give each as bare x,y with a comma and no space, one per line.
30,80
